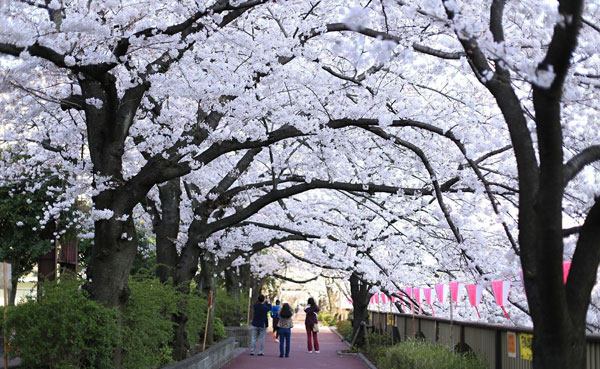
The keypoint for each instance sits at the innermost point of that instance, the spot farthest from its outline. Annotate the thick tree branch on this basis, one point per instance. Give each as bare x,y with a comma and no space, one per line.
579,161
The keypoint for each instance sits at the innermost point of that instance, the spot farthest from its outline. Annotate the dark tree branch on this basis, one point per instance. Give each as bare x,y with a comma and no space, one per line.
288,279
579,161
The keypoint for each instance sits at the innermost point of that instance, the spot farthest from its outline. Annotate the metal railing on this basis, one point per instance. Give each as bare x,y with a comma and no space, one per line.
500,347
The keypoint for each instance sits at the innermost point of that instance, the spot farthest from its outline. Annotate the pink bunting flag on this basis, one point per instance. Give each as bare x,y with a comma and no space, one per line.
456,291
475,291
501,290
427,293
349,300
384,298
441,290
409,293
417,293
566,268
376,298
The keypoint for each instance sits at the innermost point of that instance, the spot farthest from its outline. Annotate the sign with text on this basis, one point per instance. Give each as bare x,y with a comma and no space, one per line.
525,345
511,344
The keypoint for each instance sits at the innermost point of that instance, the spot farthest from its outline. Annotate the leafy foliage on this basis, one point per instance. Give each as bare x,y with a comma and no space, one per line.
22,237
328,319
147,325
422,355
229,309
196,310
63,330
344,327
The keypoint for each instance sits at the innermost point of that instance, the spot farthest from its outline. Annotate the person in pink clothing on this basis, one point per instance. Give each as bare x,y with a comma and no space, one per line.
310,322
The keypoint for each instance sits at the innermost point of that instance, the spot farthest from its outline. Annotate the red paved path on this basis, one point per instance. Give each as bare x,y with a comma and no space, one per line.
299,357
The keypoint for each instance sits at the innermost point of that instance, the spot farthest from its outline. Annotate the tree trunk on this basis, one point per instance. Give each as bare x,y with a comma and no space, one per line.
207,284
234,288
166,228
360,303
330,296
181,344
13,291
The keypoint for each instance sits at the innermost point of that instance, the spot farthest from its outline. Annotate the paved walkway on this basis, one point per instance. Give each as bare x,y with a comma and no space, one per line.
299,357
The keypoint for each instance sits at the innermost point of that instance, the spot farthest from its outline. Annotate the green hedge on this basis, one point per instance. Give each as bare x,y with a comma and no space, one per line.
421,355
147,325
344,328
197,321
328,319
64,330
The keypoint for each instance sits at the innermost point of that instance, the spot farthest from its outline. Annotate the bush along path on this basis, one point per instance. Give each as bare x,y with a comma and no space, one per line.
299,357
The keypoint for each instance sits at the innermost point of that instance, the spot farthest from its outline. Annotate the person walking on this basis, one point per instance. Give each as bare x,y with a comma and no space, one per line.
275,315
312,325
285,329
259,324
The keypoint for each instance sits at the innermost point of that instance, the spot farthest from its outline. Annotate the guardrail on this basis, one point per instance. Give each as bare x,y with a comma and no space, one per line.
501,347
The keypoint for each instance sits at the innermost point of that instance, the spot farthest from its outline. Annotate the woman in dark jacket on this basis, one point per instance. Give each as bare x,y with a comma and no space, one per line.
285,329
311,322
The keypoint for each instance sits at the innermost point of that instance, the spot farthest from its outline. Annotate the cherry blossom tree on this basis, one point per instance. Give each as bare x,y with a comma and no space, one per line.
228,120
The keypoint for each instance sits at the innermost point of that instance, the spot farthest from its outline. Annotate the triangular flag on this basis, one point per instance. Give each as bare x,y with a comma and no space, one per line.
456,291
409,293
566,268
384,298
417,293
376,298
427,293
501,290
441,290
475,292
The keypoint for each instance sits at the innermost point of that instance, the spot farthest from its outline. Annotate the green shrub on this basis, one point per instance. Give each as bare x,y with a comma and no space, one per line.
424,355
219,330
197,321
147,324
378,339
63,330
344,328
328,319
230,310
196,310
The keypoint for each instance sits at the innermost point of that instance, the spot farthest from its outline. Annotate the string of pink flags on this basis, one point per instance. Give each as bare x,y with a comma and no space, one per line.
500,290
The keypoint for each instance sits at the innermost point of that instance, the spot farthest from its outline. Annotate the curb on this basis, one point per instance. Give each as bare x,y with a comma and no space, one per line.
368,363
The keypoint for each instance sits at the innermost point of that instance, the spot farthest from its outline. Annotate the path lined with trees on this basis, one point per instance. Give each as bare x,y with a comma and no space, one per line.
380,143
299,357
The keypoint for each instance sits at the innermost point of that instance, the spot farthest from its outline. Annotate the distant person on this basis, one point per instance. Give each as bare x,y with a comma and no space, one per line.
259,324
275,315
285,329
312,325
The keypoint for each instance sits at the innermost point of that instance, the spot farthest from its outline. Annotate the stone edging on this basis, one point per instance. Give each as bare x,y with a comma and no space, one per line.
215,357
367,362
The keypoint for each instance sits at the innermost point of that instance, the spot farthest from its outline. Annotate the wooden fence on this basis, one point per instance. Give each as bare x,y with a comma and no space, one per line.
501,347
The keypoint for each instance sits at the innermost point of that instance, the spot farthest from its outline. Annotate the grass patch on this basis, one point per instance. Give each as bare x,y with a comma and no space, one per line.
421,355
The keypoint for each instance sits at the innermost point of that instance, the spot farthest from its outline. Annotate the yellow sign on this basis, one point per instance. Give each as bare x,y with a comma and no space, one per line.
526,343
511,344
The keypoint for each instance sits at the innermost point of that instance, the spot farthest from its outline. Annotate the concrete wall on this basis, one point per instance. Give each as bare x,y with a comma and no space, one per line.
215,357
242,335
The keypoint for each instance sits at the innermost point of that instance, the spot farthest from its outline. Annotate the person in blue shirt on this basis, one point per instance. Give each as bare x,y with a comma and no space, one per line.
275,315
259,324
